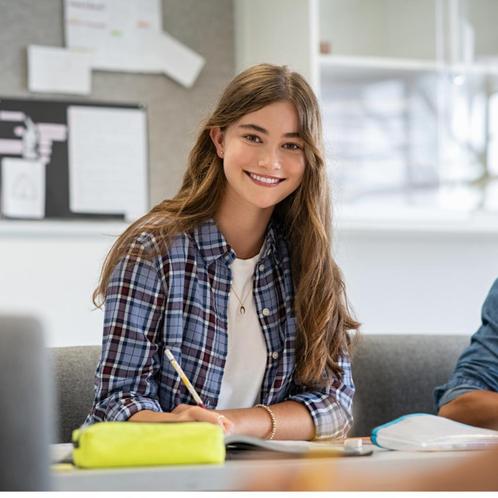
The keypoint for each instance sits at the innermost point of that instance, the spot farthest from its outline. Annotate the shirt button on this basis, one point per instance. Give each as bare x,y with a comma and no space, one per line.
274,355
266,312
261,267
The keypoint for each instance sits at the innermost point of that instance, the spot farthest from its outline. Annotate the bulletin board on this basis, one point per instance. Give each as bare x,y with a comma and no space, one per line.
80,159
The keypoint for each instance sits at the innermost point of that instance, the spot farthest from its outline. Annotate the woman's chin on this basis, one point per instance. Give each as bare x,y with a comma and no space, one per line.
264,205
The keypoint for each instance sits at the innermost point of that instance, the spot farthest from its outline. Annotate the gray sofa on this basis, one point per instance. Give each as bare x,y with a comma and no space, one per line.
394,375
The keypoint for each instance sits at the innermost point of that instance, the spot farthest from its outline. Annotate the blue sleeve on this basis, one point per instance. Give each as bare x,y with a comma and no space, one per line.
477,367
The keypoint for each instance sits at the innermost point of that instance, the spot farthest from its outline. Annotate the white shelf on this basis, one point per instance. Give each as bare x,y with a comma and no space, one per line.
372,65
58,228
371,68
344,70
416,221
490,69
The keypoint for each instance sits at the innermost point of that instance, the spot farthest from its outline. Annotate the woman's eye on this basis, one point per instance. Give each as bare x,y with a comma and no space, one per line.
253,138
292,146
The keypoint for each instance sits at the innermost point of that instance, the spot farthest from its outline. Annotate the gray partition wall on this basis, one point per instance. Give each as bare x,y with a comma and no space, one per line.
27,414
174,112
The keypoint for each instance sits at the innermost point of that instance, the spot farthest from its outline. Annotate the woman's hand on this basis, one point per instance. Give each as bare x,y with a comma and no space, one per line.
185,413
190,413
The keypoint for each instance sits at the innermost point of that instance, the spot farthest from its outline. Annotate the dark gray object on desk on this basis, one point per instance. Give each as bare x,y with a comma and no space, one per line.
25,394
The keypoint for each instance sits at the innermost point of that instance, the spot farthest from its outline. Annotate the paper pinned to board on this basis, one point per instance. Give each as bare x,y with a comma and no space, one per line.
105,25
177,60
107,161
23,188
55,69
127,36
161,52
113,31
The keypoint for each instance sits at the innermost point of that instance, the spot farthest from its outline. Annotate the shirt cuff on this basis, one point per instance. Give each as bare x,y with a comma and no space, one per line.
330,418
459,387
124,408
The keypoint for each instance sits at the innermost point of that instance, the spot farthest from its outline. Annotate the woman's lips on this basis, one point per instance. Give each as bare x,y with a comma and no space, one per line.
265,181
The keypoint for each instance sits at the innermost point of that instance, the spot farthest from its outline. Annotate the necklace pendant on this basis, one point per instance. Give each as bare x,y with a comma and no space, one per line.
242,310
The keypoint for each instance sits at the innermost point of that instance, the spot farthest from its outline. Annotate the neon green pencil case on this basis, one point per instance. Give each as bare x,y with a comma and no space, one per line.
136,444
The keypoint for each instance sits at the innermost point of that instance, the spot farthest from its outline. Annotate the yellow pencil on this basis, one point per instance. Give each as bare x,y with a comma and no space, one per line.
183,377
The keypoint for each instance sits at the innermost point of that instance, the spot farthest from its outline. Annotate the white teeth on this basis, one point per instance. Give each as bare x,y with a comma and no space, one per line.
264,179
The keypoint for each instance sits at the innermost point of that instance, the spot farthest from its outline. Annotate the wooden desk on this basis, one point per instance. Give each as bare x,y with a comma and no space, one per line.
239,473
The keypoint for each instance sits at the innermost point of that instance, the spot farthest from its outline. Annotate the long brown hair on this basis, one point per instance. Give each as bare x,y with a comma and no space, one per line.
320,304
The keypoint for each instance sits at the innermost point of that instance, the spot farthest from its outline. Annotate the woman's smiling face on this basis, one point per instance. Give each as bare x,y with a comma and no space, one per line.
263,157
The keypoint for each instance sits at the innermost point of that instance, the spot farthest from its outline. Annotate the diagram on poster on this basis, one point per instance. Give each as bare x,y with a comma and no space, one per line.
29,140
23,188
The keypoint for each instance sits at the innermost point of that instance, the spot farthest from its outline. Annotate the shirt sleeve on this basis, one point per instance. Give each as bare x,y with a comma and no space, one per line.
330,407
134,309
477,367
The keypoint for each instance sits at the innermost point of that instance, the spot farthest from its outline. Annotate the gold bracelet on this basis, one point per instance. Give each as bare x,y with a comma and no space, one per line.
273,420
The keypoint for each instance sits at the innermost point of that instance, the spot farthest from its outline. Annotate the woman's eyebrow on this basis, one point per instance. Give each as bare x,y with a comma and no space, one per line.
254,127
264,131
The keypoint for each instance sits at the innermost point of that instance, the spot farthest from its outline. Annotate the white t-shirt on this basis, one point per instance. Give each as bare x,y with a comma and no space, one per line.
246,358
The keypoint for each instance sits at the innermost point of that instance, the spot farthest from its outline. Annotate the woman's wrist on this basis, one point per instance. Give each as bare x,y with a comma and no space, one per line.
237,418
249,421
269,411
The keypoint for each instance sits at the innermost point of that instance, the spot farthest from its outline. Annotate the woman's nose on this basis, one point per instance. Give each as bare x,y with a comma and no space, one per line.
270,159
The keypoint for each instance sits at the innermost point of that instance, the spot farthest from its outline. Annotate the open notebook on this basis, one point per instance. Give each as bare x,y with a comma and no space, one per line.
318,448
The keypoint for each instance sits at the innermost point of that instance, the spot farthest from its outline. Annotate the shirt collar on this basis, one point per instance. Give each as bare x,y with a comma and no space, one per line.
270,242
213,245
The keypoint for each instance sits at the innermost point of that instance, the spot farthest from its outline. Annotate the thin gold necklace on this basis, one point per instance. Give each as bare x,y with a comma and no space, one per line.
242,309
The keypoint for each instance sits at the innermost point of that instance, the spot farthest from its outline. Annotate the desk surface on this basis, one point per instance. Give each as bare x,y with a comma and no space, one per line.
240,472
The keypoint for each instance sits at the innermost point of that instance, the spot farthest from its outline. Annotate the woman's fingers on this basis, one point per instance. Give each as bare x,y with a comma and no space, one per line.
226,424
201,414
196,413
182,408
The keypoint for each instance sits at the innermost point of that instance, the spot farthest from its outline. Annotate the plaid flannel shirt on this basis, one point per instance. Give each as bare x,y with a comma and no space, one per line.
179,301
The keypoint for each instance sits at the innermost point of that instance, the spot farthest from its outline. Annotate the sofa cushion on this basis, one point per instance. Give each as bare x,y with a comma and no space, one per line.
74,369
396,375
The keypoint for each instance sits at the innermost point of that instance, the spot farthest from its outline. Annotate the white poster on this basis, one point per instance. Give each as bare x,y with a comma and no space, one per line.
23,188
127,35
55,69
107,161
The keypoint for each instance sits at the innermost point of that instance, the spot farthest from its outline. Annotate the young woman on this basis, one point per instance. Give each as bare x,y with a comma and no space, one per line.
235,276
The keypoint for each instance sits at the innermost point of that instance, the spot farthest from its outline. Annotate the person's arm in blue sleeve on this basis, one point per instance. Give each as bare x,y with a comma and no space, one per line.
471,395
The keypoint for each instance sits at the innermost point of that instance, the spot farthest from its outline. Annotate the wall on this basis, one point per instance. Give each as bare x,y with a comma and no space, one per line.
174,112
398,281
420,281
50,268
274,32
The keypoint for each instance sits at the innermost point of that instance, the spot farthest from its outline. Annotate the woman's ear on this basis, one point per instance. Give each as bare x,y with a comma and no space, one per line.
217,137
